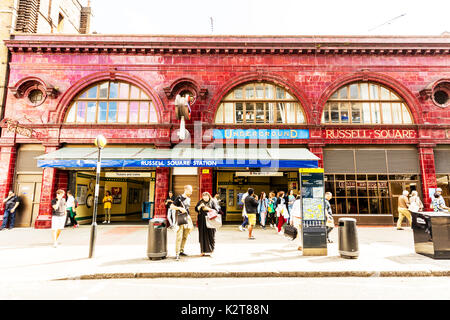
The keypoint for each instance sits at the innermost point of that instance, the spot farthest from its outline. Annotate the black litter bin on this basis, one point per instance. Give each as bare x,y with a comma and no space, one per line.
157,239
348,238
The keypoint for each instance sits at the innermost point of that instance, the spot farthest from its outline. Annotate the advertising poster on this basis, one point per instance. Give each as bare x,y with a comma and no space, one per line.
116,193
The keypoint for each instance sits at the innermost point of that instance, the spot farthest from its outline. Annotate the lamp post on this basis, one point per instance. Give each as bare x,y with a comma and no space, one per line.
100,143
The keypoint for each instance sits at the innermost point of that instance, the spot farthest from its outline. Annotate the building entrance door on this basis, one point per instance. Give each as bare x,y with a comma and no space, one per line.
29,191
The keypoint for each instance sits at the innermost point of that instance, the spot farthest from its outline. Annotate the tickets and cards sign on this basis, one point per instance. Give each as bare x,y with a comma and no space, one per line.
369,134
261,134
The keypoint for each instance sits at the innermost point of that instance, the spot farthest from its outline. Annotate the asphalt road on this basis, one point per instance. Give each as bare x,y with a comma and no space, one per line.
346,288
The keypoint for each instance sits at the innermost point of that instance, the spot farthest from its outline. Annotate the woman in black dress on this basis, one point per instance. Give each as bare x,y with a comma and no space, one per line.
206,235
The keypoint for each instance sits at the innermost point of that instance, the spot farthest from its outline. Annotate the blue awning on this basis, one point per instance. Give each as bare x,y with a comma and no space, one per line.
70,157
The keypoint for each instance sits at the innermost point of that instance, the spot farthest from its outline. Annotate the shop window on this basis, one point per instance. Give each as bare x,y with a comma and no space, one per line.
259,103
112,102
367,103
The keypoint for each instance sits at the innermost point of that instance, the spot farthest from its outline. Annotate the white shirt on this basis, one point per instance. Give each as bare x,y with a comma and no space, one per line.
244,212
296,209
70,202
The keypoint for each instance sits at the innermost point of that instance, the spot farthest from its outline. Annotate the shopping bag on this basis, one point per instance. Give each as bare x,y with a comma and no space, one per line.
215,223
290,231
212,213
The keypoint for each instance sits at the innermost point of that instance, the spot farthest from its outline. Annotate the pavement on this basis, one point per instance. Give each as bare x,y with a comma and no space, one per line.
121,252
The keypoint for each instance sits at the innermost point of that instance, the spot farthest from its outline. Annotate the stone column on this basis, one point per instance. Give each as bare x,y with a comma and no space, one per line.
48,189
427,172
8,158
161,191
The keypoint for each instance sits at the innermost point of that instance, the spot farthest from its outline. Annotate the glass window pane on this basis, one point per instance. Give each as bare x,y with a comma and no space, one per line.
385,206
356,112
91,112
81,112
334,95
143,112
134,93
239,112
238,93
374,92
406,115
341,206
343,94
92,92
219,114
352,205
259,92
280,93
351,188
134,111
112,112
71,114
123,112
144,96
363,205
366,112
229,112
290,109
260,113
340,188
387,116
270,111
394,96
376,117
385,94
364,87
124,90
344,113
280,113
269,91
113,90
396,112
153,115
354,91
102,109
84,94
103,92
373,189
334,109
249,92
383,189
326,114
300,116
249,113
289,96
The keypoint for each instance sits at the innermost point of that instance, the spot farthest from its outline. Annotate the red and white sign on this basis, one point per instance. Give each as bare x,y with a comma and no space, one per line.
370,134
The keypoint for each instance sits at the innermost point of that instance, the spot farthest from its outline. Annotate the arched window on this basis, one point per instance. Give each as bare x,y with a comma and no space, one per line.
112,102
259,103
365,103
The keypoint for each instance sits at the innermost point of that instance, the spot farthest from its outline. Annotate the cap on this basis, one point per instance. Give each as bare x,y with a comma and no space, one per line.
439,189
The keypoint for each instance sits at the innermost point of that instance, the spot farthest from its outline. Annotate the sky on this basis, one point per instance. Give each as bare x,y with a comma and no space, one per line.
275,17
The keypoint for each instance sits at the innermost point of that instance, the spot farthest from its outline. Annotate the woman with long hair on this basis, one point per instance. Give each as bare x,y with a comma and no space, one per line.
206,235
263,205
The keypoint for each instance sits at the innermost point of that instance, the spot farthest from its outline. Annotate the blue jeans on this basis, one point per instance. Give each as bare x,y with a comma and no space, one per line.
12,219
245,223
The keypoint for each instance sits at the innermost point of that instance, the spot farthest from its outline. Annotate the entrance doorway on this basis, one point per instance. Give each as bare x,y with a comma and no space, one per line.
28,189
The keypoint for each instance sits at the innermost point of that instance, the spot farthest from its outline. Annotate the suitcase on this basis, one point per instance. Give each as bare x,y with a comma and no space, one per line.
290,232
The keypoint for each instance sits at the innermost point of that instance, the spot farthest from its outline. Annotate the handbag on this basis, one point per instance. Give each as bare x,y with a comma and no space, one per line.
330,221
215,223
290,231
182,218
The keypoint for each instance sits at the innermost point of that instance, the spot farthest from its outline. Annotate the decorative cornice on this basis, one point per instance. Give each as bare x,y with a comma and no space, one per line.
247,45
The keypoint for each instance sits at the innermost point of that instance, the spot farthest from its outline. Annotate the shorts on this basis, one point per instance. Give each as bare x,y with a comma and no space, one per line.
58,222
251,219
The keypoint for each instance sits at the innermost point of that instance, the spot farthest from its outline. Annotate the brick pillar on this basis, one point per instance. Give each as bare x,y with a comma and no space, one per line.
206,181
427,173
318,151
48,190
161,191
8,158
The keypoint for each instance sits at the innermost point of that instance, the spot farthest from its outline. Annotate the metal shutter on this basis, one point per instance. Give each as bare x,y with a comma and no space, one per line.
370,161
26,161
442,161
403,161
338,161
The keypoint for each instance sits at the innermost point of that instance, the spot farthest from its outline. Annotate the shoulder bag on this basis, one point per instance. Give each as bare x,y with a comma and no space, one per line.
182,218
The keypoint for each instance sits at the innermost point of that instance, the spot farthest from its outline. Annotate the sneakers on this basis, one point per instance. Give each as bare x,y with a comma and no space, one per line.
183,254
400,229
242,229
109,221
251,238
105,221
299,248
177,257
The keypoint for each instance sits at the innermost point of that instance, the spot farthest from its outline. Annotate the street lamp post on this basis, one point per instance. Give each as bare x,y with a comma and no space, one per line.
100,143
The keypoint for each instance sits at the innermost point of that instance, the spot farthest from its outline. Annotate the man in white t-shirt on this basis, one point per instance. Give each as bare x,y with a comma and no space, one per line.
244,213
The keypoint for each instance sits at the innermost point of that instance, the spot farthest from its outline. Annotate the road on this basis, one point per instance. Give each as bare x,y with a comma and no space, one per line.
346,288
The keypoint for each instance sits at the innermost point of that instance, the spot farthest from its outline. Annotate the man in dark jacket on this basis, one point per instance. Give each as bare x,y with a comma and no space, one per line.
251,207
11,204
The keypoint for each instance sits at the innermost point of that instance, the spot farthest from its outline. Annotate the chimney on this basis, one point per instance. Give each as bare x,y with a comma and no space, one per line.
85,18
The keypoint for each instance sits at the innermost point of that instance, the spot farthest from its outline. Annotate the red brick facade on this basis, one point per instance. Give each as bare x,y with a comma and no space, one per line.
310,68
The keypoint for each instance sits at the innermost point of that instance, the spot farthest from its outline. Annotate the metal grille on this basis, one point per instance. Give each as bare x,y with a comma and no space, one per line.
370,161
339,161
442,161
403,161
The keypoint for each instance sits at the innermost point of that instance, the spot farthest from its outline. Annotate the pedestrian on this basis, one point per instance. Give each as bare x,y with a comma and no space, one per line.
181,205
415,204
206,235
403,203
170,213
329,215
58,215
71,209
438,202
290,201
296,220
11,203
244,213
107,203
251,207
281,210
216,199
272,204
263,204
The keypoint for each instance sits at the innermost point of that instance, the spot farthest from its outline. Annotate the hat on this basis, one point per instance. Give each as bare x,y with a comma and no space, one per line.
439,189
